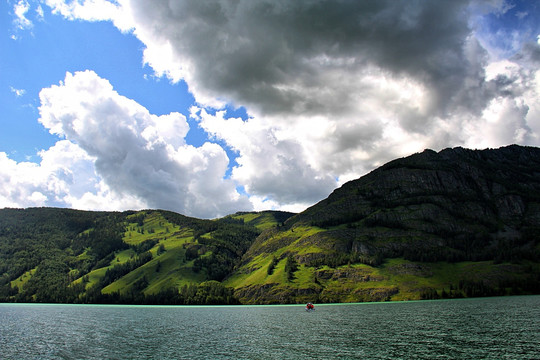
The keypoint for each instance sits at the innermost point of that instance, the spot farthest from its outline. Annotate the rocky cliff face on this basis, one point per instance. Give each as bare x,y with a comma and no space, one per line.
454,205
454,223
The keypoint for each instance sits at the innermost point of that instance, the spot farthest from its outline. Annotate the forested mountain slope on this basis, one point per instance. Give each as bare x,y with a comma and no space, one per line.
63,255
454,219
448,224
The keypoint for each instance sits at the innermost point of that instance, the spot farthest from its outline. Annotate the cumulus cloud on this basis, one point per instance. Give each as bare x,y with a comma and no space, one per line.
271,163
65,176
332,90
116,155
139,154
64,173
513,114
386,68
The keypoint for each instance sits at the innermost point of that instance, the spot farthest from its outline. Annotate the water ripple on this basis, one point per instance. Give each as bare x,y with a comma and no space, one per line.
491,328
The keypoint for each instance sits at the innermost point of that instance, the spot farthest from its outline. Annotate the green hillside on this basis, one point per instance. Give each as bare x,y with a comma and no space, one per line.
457,223
61,255
448,224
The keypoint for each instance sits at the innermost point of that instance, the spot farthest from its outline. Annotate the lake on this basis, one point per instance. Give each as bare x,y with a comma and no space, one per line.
485,328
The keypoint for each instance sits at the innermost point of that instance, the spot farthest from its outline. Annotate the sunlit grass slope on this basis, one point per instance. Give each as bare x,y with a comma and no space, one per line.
164,245
335,280
166,269
262,220
23,279
256,258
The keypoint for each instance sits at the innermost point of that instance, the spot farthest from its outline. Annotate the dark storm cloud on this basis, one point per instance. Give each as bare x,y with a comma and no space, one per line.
271,54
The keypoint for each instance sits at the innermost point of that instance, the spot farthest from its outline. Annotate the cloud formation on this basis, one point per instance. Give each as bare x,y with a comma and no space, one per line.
64,176
340,87
282,57
20,10
332,89
137,153
117,155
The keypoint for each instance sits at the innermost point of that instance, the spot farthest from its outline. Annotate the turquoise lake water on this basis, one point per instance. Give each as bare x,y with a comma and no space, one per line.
486,328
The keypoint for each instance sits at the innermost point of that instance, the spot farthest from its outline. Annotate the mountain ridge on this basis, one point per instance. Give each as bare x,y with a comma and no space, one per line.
456,205
453,223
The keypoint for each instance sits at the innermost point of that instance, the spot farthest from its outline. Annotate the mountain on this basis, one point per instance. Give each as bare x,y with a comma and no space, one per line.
449,224
461,221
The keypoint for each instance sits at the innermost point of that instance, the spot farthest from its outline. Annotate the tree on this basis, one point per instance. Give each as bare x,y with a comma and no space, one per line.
290,267
272,265
161,249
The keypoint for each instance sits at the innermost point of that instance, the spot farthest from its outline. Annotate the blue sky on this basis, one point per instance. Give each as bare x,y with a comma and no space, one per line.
41,56
207,108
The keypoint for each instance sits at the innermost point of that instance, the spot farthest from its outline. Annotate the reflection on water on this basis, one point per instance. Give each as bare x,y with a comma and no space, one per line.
488,328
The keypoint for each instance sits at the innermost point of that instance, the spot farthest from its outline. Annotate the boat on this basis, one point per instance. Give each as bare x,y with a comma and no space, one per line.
310,307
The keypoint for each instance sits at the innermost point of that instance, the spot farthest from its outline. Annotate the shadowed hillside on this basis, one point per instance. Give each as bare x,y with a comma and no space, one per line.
451,220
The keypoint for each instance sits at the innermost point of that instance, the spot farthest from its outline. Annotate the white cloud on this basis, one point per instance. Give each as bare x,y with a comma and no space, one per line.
47,183
65,176
20,10
93,10
271,163
513,115
136,153
18,92
116,156
39,12
332,90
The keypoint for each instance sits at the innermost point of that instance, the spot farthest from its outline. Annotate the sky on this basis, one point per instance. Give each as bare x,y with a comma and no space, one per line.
211,107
